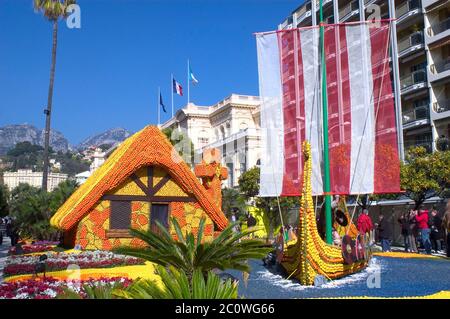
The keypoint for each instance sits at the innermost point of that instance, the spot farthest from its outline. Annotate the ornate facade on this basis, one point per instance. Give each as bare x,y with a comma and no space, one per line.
232,126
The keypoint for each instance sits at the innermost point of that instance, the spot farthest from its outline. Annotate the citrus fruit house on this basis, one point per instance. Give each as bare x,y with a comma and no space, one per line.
142,182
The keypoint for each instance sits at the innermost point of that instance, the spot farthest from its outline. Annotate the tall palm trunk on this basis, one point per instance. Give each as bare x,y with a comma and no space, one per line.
48,111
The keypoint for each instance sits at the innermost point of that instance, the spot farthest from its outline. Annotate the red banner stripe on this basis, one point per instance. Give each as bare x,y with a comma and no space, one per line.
339,109
387,163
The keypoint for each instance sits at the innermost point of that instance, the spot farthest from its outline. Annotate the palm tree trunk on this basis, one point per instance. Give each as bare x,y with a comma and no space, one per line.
48,111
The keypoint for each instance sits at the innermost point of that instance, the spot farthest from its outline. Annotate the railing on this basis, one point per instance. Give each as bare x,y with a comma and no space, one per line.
305,8
407,6
352,6
234,98
410,41
285,24
235,137
418,113
441,106
324,2
441,66
416,77
439,27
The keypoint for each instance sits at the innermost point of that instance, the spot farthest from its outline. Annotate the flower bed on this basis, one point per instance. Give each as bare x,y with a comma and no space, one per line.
32,248
50,288
46,242
19,265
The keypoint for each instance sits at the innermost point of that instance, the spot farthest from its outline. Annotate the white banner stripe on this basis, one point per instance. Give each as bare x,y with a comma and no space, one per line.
362,108
272,139
313,111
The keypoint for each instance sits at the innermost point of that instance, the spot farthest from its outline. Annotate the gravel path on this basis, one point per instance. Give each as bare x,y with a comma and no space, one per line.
3,254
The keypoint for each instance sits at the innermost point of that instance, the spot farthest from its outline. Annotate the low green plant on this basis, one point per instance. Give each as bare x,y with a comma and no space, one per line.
176,285
229,250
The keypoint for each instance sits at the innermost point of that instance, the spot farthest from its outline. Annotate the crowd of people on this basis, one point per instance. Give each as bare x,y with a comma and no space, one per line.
419,228
427,229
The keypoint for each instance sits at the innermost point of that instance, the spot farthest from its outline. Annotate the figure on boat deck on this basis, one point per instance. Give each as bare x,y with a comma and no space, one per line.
341,219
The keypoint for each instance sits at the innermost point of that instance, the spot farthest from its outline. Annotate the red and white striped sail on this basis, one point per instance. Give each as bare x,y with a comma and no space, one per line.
361,117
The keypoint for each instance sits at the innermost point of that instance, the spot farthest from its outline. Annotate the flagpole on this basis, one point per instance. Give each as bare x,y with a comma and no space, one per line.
188,81
326,159
171,90
159,106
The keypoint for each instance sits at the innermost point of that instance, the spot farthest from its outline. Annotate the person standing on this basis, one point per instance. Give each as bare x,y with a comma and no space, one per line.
384,234
13,233
364,224
406,231
436,235
412,230
2,224
251,222
446,227
422,224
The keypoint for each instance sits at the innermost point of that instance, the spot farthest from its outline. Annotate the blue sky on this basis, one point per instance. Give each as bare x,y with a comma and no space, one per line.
108,71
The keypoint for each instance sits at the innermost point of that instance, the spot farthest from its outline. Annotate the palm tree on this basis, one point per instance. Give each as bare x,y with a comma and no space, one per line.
188,254
61,193
53,10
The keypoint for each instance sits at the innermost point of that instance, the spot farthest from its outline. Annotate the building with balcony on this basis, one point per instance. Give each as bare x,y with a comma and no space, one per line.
231,125
420,56
27,176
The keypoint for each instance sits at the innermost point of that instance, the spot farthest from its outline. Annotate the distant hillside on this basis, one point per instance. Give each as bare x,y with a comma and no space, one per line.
10,135
111,136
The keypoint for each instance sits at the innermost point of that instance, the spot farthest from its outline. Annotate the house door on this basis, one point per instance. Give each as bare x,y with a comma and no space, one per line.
159,213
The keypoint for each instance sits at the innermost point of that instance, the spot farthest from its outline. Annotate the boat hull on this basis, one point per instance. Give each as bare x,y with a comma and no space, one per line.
309,256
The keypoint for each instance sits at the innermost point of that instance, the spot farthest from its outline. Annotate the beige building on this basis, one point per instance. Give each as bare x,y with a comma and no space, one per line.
420,49
232,125
27,176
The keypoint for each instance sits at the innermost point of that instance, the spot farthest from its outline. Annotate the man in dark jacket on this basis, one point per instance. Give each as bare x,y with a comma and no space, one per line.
406,230
384,233
251,222
436,235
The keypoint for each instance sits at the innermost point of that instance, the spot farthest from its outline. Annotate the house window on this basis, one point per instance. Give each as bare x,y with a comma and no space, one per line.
120,215
159,213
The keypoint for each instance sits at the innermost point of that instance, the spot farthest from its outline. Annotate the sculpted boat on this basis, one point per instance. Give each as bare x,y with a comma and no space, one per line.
326,97
308,255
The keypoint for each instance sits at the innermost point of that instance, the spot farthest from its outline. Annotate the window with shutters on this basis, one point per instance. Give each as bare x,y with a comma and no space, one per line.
159,213
120,215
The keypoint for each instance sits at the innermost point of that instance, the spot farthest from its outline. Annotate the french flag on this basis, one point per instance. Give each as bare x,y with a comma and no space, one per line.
177,88
362,133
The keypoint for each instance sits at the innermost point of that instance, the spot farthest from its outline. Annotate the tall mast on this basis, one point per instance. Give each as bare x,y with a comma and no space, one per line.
326,158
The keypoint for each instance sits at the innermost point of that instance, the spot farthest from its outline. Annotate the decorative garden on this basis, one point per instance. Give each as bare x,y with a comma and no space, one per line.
182,267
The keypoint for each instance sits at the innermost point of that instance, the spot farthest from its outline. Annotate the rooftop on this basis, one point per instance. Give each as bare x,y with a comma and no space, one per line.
197,110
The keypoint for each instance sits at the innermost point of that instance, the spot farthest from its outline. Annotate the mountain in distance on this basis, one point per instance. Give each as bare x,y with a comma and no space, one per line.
10,135
111,136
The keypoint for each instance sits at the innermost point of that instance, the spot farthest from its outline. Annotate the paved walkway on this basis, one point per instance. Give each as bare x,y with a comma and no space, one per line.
4,254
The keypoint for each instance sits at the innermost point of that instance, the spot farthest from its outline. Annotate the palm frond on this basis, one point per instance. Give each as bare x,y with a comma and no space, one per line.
176,285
